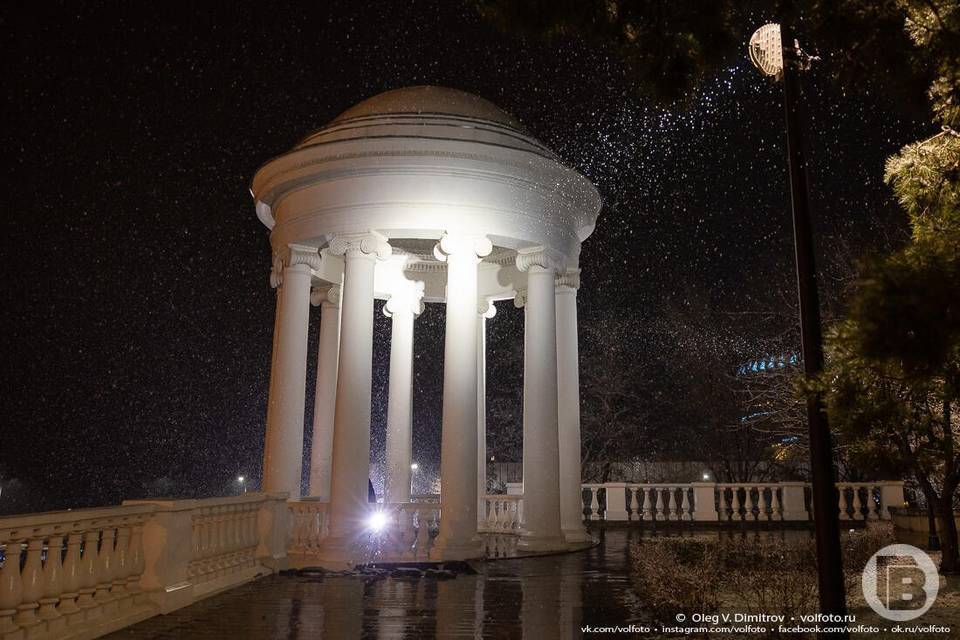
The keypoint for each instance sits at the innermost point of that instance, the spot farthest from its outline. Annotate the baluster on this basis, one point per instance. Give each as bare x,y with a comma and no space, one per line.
52,584
11,586
857,504
31,590
648,514
776,503
105,567
88,572
685,504
233,534
409,533
842,502
594,503
220,541
423,534
872,509
491,513
136,558
206,541
121,568
71,578
756,501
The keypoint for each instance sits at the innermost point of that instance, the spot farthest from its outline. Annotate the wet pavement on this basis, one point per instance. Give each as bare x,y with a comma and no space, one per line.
532,598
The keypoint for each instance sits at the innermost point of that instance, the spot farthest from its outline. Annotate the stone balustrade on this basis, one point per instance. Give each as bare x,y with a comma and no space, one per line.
87,572
72,573
309,525
726,502
411,529
504,514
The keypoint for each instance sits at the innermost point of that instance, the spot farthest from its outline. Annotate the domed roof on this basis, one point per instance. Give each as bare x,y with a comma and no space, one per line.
430,100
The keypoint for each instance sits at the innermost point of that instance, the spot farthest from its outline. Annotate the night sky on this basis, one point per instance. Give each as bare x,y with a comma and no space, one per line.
137,315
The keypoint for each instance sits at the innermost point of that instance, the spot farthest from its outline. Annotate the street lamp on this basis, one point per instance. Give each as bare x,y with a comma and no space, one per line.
775,52
242,480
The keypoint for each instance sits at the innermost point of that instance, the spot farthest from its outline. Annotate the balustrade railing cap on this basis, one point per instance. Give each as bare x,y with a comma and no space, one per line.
70,516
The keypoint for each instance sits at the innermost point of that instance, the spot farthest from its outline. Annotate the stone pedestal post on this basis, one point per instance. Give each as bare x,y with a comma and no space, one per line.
541,454
704,502
351,431
325,398
616,502
568,386
891,495
458,538
283,446
402,307
794,507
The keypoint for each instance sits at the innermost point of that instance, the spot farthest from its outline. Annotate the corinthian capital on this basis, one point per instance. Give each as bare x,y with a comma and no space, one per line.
290,256
356,245
542,257
455,244
569,279
328,296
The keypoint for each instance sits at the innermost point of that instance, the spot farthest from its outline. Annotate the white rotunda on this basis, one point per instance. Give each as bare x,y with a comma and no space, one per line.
424,194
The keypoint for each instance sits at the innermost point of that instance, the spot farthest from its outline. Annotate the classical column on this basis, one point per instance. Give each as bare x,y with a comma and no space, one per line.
568,387
486,309
403,305
541,455
458,538
351,427
325,397
283,447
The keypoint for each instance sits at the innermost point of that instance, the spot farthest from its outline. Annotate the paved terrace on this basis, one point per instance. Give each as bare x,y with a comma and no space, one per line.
544,598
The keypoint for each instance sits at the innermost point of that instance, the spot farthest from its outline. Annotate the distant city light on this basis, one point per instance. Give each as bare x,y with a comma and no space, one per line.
414,466
240,478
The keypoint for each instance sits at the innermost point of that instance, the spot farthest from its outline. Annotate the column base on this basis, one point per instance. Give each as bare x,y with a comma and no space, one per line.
444,550
576,535
538,543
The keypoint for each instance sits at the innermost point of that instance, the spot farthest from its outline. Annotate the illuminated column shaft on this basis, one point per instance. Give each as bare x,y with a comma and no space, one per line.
351,427
401,308
458,538
486,310
283,445
325,398
541,456
568,386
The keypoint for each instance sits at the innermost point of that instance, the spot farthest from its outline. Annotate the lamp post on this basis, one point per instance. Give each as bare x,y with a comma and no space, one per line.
242,481
776,53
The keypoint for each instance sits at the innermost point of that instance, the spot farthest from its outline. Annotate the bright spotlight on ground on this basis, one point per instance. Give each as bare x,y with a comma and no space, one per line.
377,521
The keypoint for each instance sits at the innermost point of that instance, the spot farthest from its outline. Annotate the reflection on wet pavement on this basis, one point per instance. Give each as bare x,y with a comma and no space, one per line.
533,598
